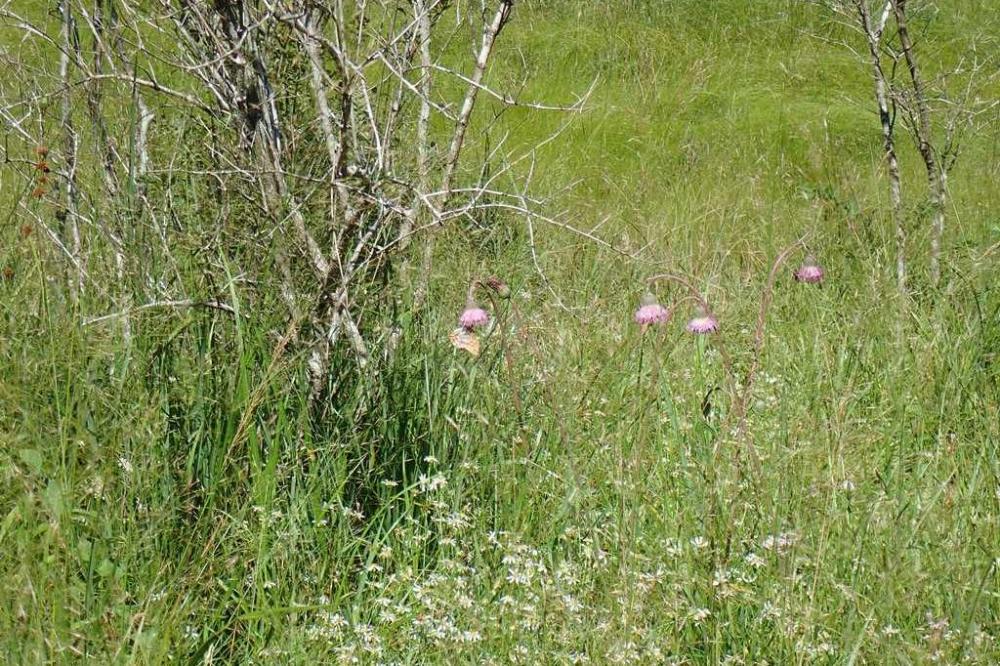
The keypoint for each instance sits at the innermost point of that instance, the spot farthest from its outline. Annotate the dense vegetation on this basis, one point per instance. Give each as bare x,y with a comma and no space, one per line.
577,492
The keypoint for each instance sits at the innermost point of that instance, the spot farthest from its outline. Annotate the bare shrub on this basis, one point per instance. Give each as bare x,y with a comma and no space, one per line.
286,148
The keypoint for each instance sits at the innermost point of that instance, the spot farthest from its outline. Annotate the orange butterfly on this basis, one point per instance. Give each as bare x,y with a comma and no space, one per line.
466,340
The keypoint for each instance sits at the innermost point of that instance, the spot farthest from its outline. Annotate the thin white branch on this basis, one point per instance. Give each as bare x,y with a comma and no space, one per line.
183,303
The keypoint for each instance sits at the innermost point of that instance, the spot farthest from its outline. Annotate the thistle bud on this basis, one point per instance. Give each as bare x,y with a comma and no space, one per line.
498,286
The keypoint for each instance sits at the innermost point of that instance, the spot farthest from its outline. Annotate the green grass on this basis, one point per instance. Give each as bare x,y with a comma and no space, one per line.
563,497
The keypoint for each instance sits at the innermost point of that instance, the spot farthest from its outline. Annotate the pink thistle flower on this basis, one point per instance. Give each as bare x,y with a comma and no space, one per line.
810,271
473,317
651,312
703,323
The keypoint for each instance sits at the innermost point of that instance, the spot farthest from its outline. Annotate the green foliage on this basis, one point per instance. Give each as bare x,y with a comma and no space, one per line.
561,497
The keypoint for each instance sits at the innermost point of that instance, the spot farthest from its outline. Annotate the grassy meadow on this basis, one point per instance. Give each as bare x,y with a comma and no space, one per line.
577,493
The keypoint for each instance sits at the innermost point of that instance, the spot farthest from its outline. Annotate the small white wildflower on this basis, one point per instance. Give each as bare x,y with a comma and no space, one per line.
779,543
353,513
770,612
455,520
429,484
95,487
571,604
519,653
699,615
672,548
937,625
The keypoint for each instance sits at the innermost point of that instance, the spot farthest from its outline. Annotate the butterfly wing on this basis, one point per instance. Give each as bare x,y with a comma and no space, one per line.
465,340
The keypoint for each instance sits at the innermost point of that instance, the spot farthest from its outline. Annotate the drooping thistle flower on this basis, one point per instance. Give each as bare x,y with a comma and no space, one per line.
703,323
809,271
651,312
498,286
